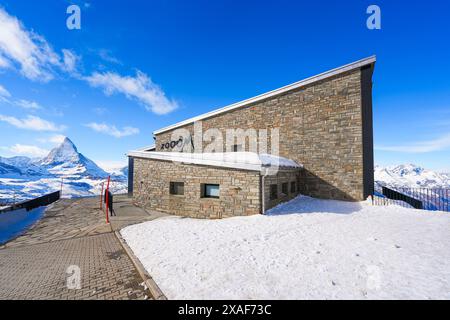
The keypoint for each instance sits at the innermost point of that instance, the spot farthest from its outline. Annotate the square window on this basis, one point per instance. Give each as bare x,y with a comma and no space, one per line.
293,188
237,148
273,191
284,188
210,191
177,188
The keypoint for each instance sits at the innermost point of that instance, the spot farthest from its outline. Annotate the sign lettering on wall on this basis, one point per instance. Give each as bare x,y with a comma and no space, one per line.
178,144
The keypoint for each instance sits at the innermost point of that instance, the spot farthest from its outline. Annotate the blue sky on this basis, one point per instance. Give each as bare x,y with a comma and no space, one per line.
138,67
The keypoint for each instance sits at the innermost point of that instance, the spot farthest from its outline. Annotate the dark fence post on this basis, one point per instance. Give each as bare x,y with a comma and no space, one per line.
109,197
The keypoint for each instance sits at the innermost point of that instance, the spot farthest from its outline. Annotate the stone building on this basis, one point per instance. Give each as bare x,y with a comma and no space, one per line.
312,137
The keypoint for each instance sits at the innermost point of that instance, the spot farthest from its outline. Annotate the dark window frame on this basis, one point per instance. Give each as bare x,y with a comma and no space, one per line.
205,195
237,148
293,187
173,190
285,188
273,192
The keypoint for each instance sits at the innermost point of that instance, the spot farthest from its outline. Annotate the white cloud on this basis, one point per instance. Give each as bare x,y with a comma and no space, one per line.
30,51
107,56
111,166
70,60
26,104
27,150
139,87
32,123
4,63
438,144
4,92
112,130
55,139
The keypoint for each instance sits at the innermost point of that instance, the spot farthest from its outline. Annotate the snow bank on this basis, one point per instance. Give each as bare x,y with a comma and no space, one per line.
305,249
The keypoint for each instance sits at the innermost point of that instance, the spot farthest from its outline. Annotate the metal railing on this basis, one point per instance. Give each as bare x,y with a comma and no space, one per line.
433,199
34,203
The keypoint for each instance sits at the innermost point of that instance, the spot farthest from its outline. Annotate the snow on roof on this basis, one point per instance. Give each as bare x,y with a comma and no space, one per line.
296,85
237,160
147,148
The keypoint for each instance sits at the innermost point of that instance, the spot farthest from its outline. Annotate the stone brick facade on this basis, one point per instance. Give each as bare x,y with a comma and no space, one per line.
282,177
239,189
320,126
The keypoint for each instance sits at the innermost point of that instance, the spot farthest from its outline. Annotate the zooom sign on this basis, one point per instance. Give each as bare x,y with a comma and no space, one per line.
174,144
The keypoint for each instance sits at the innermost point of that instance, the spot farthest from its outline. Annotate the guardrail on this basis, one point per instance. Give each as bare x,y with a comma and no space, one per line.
34,203
434,199
395,195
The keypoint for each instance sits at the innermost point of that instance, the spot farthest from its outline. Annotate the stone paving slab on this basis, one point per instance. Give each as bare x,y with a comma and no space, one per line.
126,213
39,271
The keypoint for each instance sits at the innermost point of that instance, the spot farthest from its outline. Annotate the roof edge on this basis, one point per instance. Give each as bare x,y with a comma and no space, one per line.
191,158
327,74
230,165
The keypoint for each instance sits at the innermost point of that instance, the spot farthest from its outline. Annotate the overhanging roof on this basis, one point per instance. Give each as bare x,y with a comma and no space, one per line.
296,85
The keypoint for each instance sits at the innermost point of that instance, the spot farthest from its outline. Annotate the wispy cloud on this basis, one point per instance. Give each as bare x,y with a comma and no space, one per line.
4,93
22,103
31,123
55,139
112,130
26,150
438,144
30,51
99,111
26,104
108,57
70,61
111,166
139,87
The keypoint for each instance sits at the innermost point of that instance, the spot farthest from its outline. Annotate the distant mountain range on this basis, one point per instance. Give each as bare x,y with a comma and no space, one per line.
23,178
430,187
410,176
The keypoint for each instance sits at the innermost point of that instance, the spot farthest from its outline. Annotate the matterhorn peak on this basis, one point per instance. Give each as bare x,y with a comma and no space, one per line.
65,159
65,152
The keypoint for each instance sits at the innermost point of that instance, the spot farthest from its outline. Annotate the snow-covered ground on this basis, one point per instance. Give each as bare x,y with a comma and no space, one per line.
305,249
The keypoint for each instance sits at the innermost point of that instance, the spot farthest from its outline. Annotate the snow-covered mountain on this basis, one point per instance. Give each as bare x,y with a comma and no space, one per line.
65,160
410,176
23,178
22,166
428,186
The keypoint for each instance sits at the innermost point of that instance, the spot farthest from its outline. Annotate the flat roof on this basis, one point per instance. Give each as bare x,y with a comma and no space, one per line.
296,85
237,160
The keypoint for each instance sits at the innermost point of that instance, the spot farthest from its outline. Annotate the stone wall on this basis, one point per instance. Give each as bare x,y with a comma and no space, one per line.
320,126
283,176
239,189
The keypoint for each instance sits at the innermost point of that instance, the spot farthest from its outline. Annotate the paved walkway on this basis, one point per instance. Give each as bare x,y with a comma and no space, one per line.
72,234
65,219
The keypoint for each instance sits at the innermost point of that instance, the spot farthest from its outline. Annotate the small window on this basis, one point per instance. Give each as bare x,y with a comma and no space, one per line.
284,188
273,191
237,148
210,191
293,188
177,188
